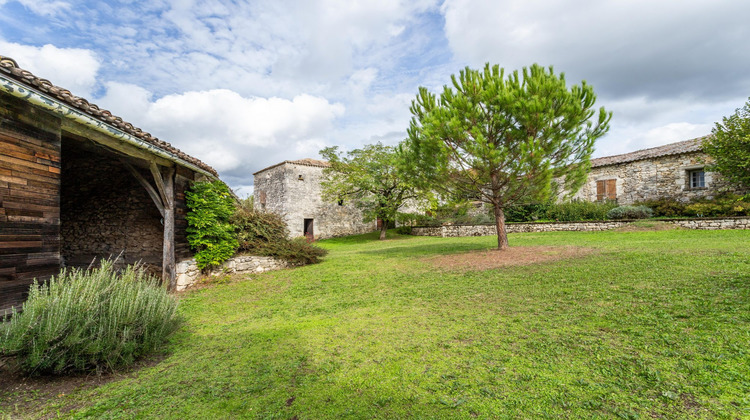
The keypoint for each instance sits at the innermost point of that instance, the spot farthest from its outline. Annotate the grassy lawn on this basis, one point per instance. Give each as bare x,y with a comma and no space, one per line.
648,325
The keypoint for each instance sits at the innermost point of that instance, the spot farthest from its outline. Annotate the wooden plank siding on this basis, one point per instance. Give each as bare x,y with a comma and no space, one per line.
30,146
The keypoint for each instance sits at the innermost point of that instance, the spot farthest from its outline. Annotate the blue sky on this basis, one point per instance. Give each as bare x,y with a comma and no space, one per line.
243,85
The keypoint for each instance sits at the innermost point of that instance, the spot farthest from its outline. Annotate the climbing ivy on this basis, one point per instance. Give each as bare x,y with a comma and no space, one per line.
210,233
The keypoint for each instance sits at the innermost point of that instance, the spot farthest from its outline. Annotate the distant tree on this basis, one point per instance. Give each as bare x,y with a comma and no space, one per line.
502,139
369,177
730,147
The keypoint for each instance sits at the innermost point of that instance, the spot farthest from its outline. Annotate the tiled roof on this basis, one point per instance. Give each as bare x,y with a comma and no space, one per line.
9,67
687,146
304,162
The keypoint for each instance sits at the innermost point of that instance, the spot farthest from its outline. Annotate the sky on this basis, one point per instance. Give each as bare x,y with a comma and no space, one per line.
243,85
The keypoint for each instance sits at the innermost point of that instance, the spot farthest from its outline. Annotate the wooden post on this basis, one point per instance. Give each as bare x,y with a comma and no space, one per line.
168,274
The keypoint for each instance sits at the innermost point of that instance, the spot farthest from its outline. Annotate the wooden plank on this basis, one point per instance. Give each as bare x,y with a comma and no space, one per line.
24,172
21,244
20,162
49,147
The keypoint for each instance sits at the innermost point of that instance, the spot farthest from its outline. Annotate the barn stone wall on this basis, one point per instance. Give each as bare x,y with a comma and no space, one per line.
655,178
106,212
294,192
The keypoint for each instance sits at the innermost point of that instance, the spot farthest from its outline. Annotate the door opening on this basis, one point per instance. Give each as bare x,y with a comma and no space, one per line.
309,231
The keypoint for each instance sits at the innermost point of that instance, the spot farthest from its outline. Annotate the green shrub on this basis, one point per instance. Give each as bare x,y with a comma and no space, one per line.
265,234
296,251
526,212
210,233
573,211
403,230
664,207
719,208
85,320
630,212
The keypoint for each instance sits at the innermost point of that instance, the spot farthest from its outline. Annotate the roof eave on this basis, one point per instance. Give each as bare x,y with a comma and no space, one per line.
63,110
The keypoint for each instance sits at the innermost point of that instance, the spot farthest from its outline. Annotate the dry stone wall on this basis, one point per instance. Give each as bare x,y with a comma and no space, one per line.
188,272
294,192
489,230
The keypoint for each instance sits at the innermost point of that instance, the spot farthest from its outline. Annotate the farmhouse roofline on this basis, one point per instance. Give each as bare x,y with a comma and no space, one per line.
303,162
11,72
687,146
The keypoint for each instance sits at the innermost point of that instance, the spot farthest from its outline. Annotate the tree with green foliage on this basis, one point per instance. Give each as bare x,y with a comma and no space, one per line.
730,147
372,178
504,139
210,232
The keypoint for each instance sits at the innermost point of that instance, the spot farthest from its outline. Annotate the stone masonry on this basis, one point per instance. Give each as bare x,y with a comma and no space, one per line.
292,189
649,174
450,231
188,272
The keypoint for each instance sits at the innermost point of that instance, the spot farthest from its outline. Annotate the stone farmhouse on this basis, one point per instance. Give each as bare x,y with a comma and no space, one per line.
676,170
78,183
292,189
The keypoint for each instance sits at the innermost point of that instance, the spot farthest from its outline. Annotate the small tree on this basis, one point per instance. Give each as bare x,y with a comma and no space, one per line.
504,139
730,147
371,178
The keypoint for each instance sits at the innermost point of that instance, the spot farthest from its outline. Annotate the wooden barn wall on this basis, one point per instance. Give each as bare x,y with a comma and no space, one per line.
29,198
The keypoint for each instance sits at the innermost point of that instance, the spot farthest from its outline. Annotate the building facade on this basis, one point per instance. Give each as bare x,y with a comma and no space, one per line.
293,190
676,171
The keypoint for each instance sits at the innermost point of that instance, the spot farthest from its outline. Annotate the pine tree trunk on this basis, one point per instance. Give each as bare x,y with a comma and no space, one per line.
502,236
383,228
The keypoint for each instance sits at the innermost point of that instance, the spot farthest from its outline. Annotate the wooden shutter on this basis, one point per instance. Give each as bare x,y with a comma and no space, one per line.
612,189
601,190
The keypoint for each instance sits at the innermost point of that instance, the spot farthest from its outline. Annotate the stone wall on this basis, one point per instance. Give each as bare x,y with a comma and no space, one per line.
294,191
655,178
489,230
105,211
188,272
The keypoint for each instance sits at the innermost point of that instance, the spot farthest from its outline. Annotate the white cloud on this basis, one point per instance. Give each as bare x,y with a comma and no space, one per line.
74,69
45,7
232,133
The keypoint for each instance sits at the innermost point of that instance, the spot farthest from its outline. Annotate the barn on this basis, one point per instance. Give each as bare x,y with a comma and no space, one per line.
78,183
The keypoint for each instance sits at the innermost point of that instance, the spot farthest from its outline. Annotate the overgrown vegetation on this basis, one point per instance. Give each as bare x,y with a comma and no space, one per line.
89,320
266,234
724,205
210,233
649,324
630,212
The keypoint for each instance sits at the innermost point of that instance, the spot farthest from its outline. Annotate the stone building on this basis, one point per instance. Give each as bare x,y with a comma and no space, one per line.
676,170
78,183
292,189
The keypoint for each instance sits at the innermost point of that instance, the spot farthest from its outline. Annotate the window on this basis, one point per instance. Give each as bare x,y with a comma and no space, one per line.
606,189
697,178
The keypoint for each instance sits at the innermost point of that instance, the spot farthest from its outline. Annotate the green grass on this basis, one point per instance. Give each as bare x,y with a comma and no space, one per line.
653,324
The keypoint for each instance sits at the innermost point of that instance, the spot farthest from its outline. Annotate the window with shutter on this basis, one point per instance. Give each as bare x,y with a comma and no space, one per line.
606,189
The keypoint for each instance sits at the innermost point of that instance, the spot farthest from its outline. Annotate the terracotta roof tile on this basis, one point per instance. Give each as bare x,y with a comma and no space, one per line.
304,162
11,69
687,146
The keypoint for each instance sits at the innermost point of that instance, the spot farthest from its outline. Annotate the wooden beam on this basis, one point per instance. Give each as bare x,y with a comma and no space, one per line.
168,274
149,189
160,184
